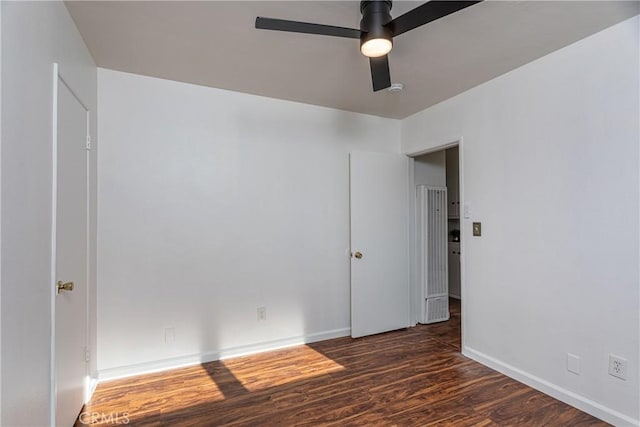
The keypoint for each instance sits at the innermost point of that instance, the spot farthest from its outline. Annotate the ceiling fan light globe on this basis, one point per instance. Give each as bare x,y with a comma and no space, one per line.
374,48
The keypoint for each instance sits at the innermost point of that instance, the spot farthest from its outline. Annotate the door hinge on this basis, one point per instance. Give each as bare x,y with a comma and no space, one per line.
87,354
88,146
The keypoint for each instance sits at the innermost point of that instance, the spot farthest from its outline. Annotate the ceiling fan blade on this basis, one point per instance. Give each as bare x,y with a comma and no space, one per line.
305,27
380,75
426,13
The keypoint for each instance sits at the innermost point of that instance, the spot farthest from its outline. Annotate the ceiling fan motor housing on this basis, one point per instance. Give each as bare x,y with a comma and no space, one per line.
375,15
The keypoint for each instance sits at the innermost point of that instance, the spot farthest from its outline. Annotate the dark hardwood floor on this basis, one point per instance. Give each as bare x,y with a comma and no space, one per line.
413,377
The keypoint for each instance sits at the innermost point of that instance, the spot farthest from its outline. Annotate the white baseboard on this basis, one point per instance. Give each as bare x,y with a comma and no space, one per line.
587,405
93,383
195,359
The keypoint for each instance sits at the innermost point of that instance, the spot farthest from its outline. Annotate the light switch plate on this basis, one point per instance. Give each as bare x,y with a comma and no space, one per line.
477,229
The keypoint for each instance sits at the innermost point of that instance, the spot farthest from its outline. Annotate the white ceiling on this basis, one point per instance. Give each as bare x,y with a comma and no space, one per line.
215,44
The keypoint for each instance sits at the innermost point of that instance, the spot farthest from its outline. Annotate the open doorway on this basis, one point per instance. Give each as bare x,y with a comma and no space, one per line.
438,243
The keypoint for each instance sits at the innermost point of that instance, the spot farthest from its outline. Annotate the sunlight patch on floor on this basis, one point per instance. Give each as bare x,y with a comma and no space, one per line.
283,369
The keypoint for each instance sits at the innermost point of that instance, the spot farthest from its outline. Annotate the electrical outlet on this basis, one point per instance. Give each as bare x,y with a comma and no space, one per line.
573,363
262,313
617,366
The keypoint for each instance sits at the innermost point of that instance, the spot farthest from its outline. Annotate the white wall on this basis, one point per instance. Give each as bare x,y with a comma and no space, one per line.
429,169
212,204
550,164
34,35
0,213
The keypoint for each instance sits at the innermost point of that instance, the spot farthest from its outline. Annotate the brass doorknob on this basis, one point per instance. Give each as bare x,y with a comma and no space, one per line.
64,286
358,255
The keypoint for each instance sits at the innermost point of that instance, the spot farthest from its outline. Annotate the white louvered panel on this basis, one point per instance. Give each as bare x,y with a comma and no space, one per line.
421,229
432,251
436,309
436,235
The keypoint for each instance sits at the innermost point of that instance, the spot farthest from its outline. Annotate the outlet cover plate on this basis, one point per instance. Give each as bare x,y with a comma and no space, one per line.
573,363
618,366
477,229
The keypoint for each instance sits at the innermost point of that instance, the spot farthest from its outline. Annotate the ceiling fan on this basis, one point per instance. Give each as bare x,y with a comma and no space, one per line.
376,32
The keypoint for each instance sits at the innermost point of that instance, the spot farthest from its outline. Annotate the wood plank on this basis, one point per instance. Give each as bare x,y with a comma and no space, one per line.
404,378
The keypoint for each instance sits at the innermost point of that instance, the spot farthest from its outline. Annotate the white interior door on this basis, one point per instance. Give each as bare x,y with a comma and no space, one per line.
70,257
379,243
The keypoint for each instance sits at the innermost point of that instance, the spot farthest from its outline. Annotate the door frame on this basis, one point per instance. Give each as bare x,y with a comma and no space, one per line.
449,143
57,79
